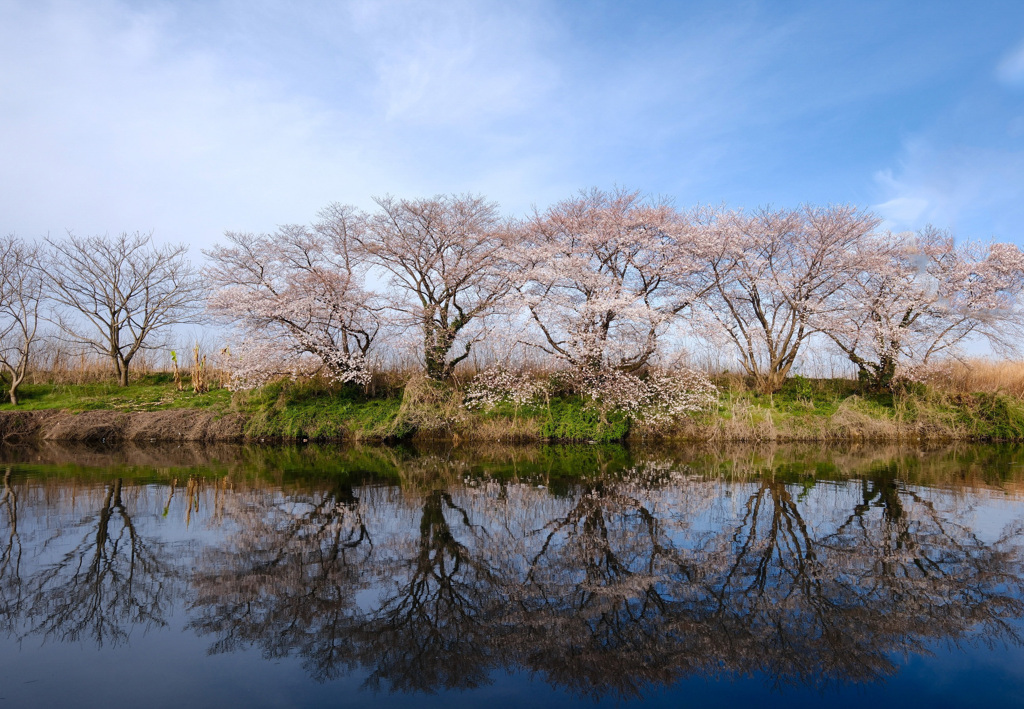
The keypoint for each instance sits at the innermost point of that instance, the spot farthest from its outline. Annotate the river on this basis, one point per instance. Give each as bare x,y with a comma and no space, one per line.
509,576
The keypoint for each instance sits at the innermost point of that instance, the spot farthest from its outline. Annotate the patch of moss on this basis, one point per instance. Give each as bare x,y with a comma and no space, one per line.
995,416
572,420
298,411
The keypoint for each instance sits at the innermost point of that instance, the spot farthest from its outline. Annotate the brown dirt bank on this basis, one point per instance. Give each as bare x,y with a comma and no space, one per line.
847,424
119,426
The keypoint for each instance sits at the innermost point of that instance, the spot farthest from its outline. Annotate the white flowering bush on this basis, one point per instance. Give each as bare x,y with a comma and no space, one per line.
922,373
497,384
673,394
661,396
253,364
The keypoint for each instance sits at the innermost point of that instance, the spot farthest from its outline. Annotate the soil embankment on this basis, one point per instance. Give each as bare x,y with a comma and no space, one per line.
977,418
118,426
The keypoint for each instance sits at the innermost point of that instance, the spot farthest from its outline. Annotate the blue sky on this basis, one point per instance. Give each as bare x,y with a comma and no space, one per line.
190,118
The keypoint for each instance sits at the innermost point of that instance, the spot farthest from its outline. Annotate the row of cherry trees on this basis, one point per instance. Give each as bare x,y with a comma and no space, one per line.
598,282
600,286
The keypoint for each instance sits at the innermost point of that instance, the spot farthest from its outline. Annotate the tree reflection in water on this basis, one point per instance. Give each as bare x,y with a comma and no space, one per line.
433,625
11,595
621,584
806,608
95,580
598,591
294,570
605,584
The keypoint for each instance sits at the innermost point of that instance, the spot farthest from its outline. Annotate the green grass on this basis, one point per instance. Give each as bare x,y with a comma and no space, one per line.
803,409
149,393
297,410
326,419
802,397
571,419
994,416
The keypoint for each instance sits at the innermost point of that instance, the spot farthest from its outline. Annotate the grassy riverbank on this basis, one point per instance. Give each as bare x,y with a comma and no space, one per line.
805,409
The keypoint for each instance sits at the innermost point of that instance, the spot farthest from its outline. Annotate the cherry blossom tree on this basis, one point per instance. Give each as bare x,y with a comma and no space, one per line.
602,279
776,273
445,257
22,292
912,297
298,297
603,275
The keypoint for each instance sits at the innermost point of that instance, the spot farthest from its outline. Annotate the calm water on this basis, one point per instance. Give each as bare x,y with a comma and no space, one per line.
511,576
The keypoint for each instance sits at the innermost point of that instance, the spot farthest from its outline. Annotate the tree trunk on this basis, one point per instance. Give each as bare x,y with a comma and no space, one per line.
16,379
12,388
875,376
437,343
885,373
434,358
770,382
865,377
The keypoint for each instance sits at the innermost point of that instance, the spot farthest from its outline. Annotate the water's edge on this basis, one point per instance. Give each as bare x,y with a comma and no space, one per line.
195,425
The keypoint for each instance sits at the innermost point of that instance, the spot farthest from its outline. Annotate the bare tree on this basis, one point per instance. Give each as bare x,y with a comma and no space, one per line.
120,293
22,288
445,259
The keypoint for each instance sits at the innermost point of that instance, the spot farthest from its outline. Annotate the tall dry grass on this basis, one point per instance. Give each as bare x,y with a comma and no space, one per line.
981,375
56,363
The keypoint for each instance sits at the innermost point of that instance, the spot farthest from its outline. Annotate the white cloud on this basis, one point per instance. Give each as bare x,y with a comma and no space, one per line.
976,192
1010,69
451,63
111,126
112,117
902,211
191,118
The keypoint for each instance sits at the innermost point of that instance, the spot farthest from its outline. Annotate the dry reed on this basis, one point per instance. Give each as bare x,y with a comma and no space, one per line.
982,375
58,364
